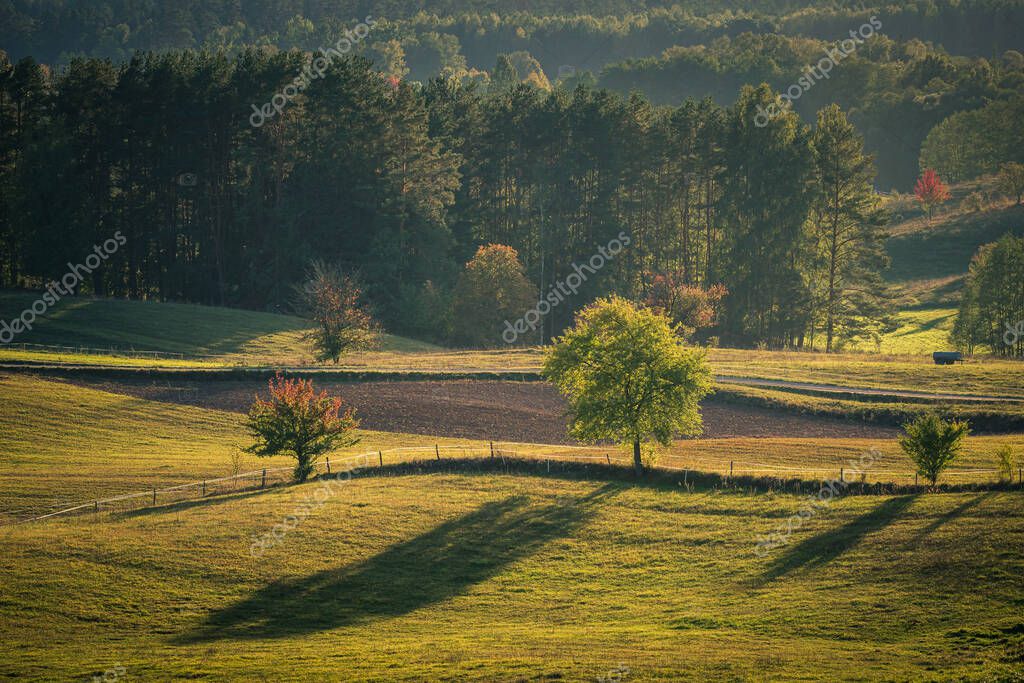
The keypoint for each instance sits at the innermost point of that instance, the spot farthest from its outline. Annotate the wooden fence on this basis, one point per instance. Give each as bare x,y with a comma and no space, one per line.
265,477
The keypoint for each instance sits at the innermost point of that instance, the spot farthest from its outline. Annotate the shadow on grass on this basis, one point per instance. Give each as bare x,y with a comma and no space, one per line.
430,568
953,514
821,549
182,505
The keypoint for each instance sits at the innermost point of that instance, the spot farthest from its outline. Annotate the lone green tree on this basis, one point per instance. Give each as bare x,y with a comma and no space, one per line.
628,377
299,422
933,443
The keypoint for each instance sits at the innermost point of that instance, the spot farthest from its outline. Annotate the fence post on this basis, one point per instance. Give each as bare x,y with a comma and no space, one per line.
263,483
1020,475
685,472
437,451
96,506
730,467
380,456
841,479
492,449
204,488
915,478
154,495
328,465
609,458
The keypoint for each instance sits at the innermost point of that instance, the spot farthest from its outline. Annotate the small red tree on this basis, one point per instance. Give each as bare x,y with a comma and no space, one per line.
931,191
300,422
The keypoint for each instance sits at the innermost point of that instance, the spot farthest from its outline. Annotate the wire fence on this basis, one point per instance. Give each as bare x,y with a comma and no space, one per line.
94,351
275,476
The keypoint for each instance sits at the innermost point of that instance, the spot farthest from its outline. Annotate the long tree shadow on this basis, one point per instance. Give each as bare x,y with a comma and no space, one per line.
435,566
824,547
956,512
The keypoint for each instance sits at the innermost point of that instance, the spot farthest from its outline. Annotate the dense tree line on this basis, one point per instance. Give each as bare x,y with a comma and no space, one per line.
978,142
399,185
555,31
992,303
895,93
672,52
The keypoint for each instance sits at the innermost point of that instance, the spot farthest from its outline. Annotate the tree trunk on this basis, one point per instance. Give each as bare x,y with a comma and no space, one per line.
638,464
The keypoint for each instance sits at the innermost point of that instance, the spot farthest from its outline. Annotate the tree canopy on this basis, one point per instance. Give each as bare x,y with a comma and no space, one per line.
628,377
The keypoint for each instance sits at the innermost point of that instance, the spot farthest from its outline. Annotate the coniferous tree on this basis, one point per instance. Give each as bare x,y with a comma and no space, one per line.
847,227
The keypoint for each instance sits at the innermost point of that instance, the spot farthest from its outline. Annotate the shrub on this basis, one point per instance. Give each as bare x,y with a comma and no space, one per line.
1005,463
933,443
299,422
973,203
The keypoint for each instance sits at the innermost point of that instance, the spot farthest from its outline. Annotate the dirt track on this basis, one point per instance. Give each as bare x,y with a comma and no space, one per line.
507,411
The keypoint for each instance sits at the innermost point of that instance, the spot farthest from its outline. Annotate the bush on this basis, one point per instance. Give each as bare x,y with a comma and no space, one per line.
933,443
299,422
1005,463
424,312
973,203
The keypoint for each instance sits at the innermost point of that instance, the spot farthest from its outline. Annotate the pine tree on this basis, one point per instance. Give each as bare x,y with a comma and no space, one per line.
847,226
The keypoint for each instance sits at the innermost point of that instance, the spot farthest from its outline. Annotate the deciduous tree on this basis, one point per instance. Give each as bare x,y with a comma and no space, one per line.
492,290
299,422
931,191
333,301
628,377
933,443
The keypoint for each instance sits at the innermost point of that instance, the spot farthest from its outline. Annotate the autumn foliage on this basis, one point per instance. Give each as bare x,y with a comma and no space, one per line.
300,422
690,307
333,301
931,191
493,288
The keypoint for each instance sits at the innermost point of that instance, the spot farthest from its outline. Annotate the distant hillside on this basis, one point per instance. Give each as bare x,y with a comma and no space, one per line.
170,328
930,259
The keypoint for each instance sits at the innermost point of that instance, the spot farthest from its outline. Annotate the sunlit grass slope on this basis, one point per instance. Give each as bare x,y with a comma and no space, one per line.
224,334
930,258
505,577
63,444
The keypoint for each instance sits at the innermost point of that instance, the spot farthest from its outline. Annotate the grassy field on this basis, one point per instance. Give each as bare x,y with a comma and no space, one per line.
503,577
484,575
94,444
206,335
920,331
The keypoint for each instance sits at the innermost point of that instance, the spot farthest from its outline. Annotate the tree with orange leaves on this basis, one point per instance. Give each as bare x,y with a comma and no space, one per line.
334,302
300,422
931,191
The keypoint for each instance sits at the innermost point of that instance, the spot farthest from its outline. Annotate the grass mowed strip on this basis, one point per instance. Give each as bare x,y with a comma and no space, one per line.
503,577
981,377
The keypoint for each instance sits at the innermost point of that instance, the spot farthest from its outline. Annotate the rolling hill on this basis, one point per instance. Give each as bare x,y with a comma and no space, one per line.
462,574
